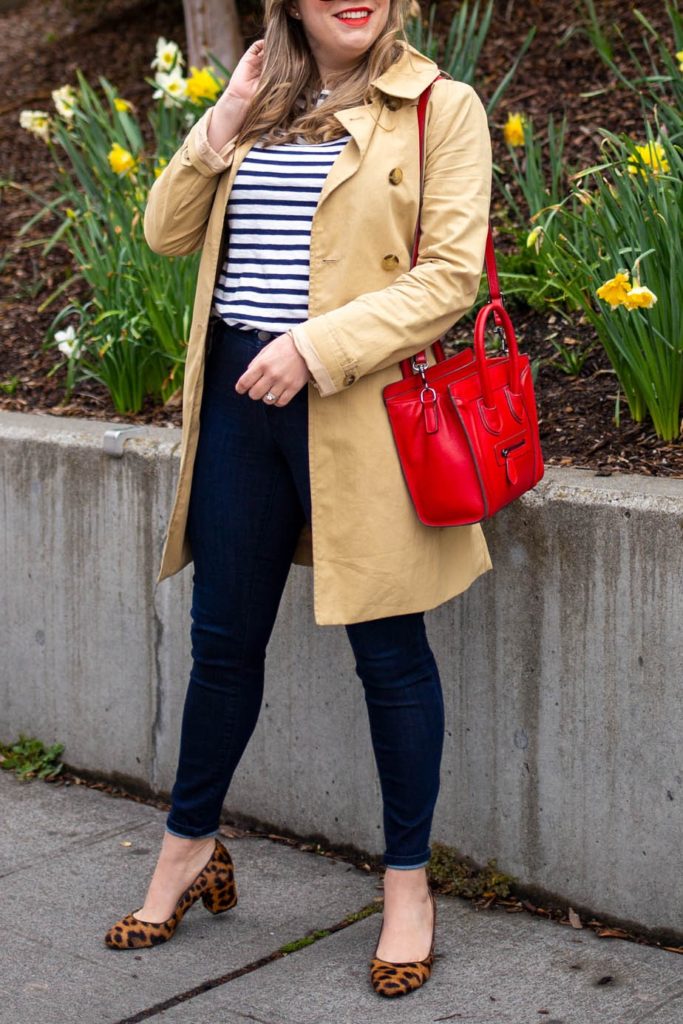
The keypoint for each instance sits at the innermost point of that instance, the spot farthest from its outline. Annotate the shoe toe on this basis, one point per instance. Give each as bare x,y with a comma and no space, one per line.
130,933
391,980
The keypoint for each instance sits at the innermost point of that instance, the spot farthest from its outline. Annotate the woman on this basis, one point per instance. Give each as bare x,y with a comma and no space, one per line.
301,186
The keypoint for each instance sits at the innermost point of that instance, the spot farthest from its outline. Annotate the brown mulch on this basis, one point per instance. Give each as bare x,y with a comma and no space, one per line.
43,43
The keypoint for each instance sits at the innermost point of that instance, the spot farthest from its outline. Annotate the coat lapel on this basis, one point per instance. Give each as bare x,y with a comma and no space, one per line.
360,123
405,79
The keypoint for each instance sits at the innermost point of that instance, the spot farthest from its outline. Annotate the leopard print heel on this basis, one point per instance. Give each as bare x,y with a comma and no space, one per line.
214,885
398,979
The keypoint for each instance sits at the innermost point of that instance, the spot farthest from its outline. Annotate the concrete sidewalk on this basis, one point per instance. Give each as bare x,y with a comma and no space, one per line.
66,876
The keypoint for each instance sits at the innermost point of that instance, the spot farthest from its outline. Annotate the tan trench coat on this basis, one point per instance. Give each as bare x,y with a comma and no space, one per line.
371,556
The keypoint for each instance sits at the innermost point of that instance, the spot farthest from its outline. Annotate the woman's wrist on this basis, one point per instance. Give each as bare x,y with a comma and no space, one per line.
305,350
290,335
227,118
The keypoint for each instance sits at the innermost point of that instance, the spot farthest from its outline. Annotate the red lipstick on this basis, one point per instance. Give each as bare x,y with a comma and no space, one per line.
354,17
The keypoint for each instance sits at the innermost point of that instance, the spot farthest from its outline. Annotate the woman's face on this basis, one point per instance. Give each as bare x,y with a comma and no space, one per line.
339,32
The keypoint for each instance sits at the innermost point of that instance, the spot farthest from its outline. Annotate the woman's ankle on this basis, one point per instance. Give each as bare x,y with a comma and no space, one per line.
406,881
183,848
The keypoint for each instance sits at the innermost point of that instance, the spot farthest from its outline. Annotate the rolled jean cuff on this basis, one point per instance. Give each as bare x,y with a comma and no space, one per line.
405,863
190,834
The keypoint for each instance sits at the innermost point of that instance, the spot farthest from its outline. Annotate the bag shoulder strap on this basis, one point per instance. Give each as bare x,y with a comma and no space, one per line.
490,255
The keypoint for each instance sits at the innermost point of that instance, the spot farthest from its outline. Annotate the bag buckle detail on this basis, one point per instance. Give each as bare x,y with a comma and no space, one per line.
430,410
500,331
420,367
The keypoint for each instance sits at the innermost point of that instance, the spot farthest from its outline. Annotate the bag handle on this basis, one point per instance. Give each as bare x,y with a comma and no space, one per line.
409,366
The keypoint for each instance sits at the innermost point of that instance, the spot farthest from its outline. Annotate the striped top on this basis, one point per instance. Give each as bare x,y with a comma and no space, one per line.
263,283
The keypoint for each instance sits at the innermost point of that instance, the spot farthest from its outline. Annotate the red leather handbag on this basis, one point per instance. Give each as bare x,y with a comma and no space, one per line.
466,427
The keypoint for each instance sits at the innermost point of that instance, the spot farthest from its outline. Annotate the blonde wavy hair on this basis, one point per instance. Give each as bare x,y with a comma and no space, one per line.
282,107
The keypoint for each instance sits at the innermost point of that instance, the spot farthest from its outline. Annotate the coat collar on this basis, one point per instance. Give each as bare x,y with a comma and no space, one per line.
408,76
405,79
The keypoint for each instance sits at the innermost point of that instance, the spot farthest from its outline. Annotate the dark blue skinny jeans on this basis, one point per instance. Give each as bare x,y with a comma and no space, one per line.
250,498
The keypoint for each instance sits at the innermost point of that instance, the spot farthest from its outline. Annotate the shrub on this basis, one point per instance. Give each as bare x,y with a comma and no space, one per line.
131,331
625,273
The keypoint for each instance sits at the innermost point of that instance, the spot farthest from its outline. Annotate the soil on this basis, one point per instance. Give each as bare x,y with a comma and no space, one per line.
44,41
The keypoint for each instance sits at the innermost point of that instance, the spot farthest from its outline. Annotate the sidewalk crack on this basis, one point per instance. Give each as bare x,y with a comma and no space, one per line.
315,935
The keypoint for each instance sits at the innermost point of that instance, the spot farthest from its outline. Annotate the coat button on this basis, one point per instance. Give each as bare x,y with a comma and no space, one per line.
349,379
396,176
392,103
390,261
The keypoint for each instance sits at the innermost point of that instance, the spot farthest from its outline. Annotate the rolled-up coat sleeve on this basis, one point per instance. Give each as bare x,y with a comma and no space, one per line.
180,200
379,328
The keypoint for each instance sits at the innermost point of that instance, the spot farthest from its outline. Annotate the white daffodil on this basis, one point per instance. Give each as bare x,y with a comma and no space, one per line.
65,100
37,122
168,55
68,343
172,86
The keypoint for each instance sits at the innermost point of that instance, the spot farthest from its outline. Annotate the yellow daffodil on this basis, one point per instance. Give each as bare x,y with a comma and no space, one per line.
37,122
513,131
168,56
615,290
535,238
679,58
172,87
103,349
202,85
120,160
652,156
123,106
65,100
639,297
161,163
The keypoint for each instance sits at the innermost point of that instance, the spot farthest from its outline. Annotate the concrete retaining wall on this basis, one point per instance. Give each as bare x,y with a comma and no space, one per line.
562,669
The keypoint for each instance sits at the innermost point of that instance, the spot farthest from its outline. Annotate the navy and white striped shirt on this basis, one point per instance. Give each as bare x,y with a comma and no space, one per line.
263,283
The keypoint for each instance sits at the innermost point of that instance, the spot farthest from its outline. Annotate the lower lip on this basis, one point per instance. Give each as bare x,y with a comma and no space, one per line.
354,22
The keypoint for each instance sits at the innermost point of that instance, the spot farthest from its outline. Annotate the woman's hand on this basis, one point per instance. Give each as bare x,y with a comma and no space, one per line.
231,107
245,78
278,369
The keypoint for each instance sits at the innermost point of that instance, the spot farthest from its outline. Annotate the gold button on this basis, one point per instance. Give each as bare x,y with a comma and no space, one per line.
392,103
396,176
390,261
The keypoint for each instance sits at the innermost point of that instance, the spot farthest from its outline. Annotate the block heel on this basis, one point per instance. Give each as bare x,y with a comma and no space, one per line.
221,894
